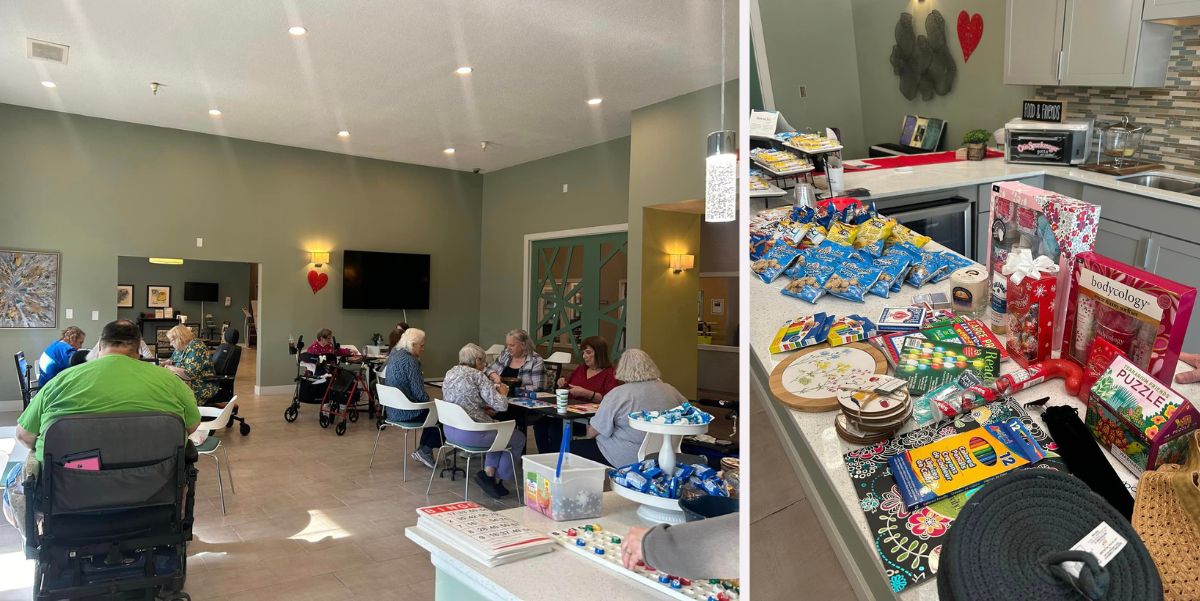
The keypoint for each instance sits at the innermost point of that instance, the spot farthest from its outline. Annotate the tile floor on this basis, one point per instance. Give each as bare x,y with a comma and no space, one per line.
308,521
788,548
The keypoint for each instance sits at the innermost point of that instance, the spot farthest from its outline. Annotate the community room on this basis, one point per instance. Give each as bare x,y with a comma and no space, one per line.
275,276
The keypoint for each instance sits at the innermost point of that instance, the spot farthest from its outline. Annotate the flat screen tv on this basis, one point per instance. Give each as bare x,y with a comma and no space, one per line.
205,292
377,280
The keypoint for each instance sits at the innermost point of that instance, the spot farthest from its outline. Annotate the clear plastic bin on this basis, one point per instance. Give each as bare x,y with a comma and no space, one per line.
575,495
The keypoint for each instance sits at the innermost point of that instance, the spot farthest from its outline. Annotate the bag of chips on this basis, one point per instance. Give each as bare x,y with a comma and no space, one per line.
842,233
816,234
953,262
893,267
872,234
774,262
810,286
925,268
851,280
901,233
760,244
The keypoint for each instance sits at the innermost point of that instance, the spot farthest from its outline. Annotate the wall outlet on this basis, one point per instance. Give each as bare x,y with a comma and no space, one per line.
70,313
95,316
803,91
564,188
199,242
228,301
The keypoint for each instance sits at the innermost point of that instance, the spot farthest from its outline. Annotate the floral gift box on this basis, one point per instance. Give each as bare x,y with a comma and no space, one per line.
1142,422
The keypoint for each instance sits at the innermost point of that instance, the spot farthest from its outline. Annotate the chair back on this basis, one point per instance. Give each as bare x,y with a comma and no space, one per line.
141,470
220,414
456,417
24,377
390,396
228,355
79,357
652,443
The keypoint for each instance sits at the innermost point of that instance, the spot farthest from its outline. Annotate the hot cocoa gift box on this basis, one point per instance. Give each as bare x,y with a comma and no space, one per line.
1143,315
1047,224
1031,298
1143,422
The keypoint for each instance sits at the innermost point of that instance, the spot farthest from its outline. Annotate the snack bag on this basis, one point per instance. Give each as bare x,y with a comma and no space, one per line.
953,262
901,233
851,280
802,214
759,245
816,234
912,253
775,262
872,234
841,233
892,268
793,233
926,268
810,286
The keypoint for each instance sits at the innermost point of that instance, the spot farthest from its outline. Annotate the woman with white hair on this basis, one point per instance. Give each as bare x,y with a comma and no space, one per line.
610,439
404,372
518,364
466,385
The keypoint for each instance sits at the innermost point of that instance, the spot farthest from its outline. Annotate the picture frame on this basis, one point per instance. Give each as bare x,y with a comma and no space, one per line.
161,341
169,313
29,289
158,297
124,296
160,314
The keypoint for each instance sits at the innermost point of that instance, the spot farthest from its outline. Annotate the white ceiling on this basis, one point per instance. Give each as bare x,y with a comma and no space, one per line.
382,69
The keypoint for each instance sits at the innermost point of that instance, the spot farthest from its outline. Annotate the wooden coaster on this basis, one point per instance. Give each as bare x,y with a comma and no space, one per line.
853,435
810,379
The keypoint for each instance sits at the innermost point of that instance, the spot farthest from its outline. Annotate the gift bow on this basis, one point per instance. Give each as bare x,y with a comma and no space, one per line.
1021,264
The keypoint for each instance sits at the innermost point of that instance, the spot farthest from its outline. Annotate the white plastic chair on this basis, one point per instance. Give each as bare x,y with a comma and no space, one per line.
454,416
390,396
212,443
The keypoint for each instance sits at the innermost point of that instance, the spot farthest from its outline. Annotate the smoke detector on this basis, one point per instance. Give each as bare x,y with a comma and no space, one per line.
47,51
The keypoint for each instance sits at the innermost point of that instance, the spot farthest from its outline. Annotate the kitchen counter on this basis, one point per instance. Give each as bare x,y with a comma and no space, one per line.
885,183
810,439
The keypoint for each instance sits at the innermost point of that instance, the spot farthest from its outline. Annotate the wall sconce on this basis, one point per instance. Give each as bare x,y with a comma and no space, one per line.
318,258
681,263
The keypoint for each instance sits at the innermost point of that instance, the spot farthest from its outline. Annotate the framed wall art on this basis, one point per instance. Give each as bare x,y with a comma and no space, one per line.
158,296
124,296
29,282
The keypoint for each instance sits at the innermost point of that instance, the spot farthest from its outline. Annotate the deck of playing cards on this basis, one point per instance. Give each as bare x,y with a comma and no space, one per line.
901,319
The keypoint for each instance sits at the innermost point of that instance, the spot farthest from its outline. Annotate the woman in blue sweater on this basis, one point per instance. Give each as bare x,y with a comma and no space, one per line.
404,372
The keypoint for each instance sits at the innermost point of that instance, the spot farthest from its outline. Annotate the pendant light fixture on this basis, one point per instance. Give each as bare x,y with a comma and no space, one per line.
720,166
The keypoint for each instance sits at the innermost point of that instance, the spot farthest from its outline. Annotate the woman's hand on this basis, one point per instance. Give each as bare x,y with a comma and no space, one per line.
495,377
563,382
166,363
176,370
502,389
580,392
1189,377
631,547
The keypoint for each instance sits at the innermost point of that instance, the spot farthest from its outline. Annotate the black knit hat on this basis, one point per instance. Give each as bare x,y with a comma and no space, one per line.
1012,537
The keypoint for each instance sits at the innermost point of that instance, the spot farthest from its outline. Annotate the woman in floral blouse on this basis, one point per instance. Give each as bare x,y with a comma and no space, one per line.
466,385
192,363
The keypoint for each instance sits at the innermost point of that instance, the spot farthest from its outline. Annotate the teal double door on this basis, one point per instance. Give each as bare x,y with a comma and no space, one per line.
577,289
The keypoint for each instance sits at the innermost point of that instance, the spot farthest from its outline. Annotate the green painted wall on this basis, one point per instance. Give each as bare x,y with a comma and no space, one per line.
232,279
666,165
95,189
669,325
978,99
811,43
528,199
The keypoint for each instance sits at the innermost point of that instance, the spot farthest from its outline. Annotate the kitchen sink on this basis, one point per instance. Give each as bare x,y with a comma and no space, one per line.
1164,182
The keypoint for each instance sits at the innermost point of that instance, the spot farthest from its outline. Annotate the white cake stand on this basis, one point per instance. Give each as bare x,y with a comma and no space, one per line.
658,510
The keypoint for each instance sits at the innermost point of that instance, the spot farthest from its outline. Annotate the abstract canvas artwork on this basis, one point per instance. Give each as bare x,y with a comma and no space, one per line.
29,289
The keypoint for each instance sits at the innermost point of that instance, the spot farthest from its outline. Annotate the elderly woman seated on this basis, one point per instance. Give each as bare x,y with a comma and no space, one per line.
404,372
192,363
467,386
610,439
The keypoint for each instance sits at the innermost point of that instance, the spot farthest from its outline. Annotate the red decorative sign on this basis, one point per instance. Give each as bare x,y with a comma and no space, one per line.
317,280
970,31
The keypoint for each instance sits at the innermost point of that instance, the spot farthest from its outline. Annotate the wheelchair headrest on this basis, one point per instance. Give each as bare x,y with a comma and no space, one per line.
232,336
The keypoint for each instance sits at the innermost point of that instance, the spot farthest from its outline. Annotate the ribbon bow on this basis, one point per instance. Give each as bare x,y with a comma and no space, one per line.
1021,264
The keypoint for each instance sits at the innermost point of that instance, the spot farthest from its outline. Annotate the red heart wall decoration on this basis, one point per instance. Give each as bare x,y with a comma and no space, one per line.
970,31
317,280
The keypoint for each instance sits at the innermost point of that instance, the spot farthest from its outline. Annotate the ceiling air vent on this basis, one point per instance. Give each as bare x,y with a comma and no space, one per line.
47,51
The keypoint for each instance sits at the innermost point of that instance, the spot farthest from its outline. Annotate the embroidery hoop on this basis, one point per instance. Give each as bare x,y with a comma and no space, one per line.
863,357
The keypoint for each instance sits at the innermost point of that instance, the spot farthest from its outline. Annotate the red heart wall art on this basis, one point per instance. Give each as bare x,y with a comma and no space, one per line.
317,280
970,31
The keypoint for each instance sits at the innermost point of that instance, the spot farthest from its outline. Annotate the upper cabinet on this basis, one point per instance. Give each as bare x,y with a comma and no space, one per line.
1182,12
1084,43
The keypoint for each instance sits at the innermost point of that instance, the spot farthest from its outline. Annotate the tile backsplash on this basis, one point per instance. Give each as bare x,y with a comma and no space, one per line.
1172,112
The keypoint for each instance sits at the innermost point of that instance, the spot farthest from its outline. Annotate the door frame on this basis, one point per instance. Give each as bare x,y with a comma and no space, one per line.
528,245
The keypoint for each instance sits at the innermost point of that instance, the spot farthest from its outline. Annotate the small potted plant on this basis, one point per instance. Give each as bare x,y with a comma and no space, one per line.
976,141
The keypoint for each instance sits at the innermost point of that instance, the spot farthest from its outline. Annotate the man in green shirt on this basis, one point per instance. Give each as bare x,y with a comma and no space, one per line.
116,382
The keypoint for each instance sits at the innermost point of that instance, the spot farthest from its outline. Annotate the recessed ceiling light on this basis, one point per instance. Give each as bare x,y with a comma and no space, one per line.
214,112
343,134
297,30
449,151
463,70
595,101
49,84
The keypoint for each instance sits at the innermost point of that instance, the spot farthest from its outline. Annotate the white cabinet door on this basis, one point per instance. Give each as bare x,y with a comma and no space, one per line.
1100,42
1122,242
1033,37
1178,261
1171,9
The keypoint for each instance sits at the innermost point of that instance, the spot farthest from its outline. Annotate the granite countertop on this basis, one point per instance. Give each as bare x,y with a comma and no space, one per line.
555,575
769,309
929,178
